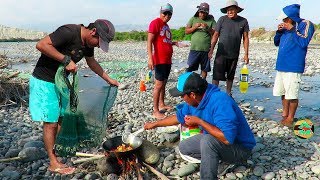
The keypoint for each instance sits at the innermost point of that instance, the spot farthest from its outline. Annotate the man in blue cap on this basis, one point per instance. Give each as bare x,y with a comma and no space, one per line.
293,37
226,133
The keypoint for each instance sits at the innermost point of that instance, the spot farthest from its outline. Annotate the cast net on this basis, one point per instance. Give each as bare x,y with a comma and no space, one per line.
84,120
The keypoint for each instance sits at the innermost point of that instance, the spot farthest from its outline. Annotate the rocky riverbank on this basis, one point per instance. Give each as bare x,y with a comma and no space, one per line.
279,154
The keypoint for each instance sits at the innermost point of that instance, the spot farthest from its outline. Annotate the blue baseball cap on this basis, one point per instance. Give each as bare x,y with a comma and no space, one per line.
187,83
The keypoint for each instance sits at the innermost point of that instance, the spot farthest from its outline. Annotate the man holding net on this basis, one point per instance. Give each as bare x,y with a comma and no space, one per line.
65,46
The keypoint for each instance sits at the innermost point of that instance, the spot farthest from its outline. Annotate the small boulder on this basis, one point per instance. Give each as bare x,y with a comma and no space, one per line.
148,152
31,154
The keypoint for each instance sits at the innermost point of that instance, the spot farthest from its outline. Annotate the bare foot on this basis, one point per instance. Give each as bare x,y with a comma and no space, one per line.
158,115
287,123
63,169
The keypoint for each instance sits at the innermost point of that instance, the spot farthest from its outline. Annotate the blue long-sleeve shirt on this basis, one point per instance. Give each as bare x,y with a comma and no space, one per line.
218,109
293,46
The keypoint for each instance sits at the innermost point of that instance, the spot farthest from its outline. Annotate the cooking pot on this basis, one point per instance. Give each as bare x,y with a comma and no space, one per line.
110,145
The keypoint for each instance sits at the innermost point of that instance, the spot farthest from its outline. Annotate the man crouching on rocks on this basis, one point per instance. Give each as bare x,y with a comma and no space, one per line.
226,134
66,46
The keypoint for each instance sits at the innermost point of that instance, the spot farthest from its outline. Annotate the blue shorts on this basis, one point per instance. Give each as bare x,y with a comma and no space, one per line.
197,58
45,102
162,71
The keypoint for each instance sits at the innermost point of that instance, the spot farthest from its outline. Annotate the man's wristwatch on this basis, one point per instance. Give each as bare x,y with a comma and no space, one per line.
66,60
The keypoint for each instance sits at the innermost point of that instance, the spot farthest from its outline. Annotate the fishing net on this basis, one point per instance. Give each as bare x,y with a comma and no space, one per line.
84,120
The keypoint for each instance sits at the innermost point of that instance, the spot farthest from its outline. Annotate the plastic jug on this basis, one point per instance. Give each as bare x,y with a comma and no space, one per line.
244,78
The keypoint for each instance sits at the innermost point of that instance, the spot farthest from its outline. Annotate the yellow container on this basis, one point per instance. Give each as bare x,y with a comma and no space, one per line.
244,79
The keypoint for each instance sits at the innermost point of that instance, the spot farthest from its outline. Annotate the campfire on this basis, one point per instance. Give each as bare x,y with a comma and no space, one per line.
125,155
122,159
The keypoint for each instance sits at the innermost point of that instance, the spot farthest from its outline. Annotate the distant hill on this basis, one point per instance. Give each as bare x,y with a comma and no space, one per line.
15,34
262,35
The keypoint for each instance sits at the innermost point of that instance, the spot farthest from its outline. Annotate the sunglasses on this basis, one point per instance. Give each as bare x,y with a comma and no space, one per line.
167,13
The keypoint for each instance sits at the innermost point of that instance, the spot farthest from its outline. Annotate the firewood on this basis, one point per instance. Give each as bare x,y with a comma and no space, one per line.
96,157
159,174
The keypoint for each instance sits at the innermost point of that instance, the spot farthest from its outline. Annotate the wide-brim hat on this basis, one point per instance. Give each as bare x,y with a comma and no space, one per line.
231,3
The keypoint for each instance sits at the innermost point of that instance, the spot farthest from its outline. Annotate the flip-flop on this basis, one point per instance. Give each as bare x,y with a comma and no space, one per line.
63,170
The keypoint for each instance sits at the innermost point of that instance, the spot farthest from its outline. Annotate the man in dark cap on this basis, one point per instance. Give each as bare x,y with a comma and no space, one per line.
226,133
65,46
293,37
230,29
201,27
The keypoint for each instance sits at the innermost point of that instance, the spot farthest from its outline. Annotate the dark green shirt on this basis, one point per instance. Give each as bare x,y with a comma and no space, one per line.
201,38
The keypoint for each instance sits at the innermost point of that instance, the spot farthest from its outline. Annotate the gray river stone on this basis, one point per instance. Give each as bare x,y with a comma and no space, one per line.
148,152
37,144
186,170
172,137
316,169
12,153
258,147
32,154
10,174
268,175
258,171
112,177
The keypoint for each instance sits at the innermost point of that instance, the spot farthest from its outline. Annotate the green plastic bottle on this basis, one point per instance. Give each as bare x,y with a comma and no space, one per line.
244,78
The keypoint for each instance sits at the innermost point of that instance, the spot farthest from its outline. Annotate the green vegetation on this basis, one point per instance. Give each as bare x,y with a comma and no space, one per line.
317,26
177,35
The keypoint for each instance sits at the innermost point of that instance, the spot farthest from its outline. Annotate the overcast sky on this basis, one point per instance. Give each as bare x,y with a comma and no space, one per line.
47,15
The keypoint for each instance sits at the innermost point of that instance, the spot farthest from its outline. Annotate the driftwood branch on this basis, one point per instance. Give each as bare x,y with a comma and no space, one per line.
86,154
10,159
13,75
159,174
96,157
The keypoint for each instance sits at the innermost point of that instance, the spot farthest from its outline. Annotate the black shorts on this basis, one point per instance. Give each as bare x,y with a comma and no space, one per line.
224,66
198,57
162,71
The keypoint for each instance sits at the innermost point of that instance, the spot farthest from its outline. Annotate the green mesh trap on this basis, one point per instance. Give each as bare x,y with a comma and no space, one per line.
85,120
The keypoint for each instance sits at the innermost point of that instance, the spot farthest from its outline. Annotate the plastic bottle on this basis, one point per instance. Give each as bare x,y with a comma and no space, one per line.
149,76
244,78
143,86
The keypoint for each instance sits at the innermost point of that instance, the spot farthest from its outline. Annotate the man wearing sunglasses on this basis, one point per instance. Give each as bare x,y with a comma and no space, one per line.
159,45
65,46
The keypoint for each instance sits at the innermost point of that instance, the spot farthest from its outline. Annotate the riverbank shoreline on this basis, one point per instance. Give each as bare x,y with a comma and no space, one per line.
294,158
